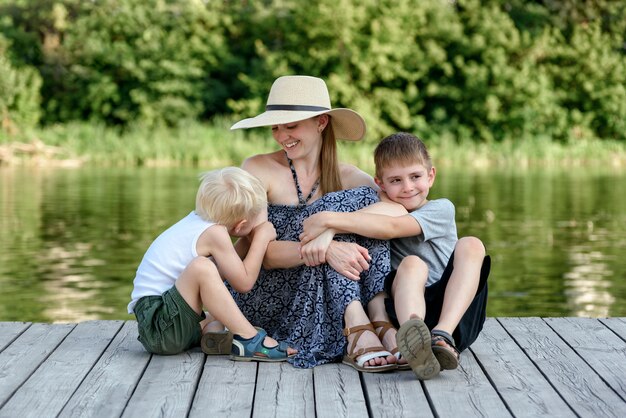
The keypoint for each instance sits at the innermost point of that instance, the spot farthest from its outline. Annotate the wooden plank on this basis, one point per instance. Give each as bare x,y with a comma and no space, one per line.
107,388
283,391
338,391
617,325
604,351
396,394
577,383
167,386
465,391
9,331
20,359
226,388
522,386
53,383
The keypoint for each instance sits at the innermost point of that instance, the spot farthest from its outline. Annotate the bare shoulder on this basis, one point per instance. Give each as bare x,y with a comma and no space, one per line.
352,177
263,165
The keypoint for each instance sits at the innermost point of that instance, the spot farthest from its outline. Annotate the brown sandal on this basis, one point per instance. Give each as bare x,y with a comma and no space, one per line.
365,354
386,326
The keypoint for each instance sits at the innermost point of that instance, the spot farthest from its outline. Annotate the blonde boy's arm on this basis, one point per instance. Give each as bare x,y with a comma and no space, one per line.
241,274
381,220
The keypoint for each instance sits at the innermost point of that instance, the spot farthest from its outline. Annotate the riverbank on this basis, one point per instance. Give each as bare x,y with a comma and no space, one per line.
196,144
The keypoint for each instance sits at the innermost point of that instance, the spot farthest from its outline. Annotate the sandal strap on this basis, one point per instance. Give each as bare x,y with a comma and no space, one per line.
439,335
372,354
385,326
358,329
375,349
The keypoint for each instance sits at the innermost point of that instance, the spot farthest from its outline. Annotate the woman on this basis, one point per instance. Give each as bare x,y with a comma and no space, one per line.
307,306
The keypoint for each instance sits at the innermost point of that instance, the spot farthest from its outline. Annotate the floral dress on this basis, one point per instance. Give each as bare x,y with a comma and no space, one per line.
304,306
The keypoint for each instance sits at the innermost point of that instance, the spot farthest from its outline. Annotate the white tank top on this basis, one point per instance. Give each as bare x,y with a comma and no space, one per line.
167,257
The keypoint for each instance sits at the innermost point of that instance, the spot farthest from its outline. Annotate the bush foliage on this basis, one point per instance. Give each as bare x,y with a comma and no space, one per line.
480,70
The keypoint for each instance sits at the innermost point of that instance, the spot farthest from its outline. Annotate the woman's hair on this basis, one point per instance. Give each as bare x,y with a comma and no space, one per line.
229,195
330,178
400,149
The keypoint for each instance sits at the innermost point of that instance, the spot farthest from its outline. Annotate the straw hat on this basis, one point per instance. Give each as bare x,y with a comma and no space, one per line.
297,97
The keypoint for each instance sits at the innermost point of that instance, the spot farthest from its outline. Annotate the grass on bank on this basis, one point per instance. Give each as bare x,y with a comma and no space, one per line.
214,145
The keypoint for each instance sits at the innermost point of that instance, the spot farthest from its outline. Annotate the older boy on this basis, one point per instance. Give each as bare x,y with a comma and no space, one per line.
184,269
435,277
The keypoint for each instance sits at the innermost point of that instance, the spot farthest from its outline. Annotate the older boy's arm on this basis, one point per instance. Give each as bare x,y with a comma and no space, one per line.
380,220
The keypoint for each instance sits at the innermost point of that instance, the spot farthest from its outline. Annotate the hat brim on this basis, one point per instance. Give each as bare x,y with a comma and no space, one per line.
347,124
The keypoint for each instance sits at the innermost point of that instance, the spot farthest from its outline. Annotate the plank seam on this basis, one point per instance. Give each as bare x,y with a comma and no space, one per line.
545,376
38,366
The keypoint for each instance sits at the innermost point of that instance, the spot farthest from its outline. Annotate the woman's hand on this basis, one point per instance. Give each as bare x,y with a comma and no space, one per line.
348,259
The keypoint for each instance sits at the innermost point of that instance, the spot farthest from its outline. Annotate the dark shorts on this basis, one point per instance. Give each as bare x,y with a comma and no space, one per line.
167,324
472,321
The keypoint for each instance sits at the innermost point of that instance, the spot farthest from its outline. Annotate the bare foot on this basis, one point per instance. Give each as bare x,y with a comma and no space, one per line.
369,339
390,344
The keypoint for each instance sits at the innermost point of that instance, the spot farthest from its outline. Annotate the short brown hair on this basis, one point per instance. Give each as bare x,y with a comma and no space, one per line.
403,149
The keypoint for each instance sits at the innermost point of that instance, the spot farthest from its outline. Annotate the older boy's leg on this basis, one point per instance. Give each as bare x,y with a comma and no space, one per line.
407,289
200,284
459,294
461,289
407,294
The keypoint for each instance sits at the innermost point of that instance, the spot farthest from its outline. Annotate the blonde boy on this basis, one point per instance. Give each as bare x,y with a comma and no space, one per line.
184,270
435,276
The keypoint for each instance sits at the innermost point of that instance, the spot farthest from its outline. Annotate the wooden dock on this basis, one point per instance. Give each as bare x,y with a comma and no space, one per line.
521,367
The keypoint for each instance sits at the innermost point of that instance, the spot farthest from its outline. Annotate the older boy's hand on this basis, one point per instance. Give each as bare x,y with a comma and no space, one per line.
348,259
314,252
313,226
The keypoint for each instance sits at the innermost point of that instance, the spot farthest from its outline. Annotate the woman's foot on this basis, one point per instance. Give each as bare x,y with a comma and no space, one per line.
387,335
364,351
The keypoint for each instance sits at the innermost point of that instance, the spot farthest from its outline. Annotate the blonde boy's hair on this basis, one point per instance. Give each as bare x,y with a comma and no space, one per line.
229,195
400,149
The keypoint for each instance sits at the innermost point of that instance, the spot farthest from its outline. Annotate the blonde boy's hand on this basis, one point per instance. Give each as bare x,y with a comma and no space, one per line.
313,226
265,231
314,252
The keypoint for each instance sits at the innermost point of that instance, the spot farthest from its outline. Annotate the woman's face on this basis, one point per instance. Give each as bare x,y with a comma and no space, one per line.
300,138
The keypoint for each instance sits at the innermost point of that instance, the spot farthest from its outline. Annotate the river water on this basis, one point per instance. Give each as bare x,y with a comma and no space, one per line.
71,239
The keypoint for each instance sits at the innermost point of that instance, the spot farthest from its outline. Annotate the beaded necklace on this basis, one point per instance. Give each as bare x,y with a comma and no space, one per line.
301,200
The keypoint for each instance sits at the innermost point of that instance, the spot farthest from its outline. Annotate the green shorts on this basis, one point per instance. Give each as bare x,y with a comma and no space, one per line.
167,324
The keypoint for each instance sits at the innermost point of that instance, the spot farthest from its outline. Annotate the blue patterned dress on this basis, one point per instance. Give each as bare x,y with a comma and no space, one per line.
304,306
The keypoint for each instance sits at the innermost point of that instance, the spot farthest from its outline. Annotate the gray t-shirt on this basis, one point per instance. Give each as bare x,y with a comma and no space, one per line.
436,242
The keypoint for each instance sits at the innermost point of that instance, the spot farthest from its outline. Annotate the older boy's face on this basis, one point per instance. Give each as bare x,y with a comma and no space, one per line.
407,185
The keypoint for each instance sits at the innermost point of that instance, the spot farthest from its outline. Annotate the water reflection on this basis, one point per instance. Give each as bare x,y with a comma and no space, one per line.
71,239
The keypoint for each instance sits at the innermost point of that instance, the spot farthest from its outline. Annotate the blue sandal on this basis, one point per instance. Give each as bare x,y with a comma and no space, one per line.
252,349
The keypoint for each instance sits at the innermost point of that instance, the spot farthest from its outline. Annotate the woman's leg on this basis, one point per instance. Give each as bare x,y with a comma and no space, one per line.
355,315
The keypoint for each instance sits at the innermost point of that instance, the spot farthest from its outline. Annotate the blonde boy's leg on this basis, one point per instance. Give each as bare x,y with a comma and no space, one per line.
200,284
469,254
